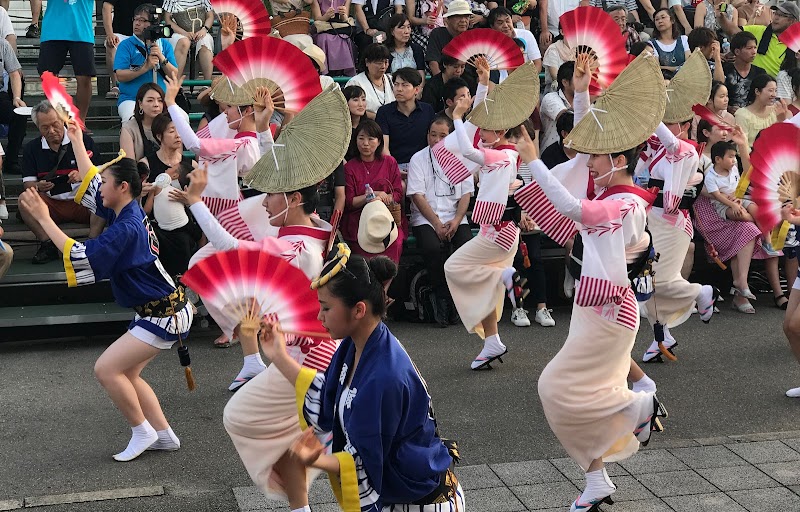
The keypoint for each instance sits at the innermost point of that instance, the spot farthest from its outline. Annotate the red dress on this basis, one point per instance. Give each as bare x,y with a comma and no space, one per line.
382,174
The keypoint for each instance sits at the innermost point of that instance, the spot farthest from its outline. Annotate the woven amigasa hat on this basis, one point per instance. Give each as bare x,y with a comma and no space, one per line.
510,103
626,114
225,91
309,148
690,86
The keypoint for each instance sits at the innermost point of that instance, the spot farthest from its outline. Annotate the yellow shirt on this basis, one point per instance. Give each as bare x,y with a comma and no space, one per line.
752,123
771,61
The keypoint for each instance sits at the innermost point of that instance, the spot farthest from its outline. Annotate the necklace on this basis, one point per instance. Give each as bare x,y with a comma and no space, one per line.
383,84
369,169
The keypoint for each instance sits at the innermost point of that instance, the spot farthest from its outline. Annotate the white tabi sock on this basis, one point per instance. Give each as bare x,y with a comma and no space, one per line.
302,509
645,384
253,365
598,486
167,441
507,277
143,436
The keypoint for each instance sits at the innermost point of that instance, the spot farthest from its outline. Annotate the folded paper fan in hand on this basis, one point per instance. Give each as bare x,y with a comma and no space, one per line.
61,101
500,50
271,63
706,114
509,104
247,285
775,178
591,30
791,37
252,16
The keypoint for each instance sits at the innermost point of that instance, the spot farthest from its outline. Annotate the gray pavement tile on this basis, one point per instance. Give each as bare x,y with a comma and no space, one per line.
654,505
652,461
704,503
764,452
793,444
768,436
477,477
711,441
547,495
321,492
708,457
527,472
676,483
10,504
500,499
737,478
80,497
672,443
628,489
787,473
251,499
574,472
795,489
759,500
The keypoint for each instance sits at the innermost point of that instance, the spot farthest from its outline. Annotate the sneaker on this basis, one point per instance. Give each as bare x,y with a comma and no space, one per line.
3,211
543,317
113,93
793,393
33,31
519,317
47,252
767,246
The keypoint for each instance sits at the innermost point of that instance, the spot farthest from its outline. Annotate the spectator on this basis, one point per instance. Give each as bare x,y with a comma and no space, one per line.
717,103
374,82
555,8
556,54
212,110
500,19
671,47
619,13
454,89
191,21
277,7
794,108
425,16
740,73
789,64
404,52
12,68
167,153
371,167
771,51
33,30
705,39
136,62
3,207
116,24
357,103
318,60
615,7
68,27
49,165
754,12
762,110
438,216
331,194
6,255
405,122
370,16
434,91
6,26
556,153
16,123
336,46
706,12
456,21
136,136
554,103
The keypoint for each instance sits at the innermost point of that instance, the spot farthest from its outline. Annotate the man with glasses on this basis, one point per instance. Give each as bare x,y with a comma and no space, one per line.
117,16
619,13
456,21
135,62
770,51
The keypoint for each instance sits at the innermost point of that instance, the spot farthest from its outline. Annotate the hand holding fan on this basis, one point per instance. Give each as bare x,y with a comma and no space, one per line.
500,50
273,63
706,114
775,179
246,285
791,37
252,16
592,30
61,101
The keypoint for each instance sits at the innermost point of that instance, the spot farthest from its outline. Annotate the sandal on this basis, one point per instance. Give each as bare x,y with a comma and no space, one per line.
781,305
113,93
224,342
744,292
744,308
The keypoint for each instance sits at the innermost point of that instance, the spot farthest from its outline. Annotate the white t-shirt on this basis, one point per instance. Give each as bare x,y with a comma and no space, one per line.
552,104
724,184
426,177
555,8
670,47
532,51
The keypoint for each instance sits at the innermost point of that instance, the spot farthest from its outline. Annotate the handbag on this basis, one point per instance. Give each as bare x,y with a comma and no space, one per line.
345,30
292,22
190,20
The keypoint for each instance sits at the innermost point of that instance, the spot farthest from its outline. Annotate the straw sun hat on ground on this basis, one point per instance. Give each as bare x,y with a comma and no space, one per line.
377,229
690,86
509,104
626,114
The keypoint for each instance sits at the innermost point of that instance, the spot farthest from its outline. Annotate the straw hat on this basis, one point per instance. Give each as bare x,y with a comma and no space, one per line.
309,148
626,114
510,103
376,228
225,91
690,86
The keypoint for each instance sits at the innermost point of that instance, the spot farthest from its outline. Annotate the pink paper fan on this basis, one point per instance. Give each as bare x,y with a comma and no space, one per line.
276,60
58,97
775,178
592,30
705,113
252,15
500,50
791,37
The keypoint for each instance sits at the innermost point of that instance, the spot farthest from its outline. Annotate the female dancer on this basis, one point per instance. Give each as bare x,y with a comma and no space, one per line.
388,454
484,267
127,254
583,389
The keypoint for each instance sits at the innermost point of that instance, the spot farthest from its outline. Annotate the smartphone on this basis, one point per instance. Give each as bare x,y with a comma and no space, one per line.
723,7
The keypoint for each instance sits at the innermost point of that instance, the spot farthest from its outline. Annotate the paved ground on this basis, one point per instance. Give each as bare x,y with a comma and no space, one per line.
58,429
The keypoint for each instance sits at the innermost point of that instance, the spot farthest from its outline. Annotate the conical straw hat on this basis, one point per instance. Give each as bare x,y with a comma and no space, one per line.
309,148
690,86
626,114
510,103
225,91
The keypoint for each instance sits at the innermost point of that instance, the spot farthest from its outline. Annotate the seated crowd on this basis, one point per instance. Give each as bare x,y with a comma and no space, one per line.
401,91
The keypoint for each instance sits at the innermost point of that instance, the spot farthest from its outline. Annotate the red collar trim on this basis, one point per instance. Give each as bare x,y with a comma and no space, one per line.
312,232
629,189
505,146
245,134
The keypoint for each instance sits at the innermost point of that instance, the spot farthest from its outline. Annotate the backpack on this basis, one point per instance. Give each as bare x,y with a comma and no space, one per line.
419,306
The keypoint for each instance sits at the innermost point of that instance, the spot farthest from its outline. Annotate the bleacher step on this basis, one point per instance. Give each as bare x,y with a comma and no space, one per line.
63,314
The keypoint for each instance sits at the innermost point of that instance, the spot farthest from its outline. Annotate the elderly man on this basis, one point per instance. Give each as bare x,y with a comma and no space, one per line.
456,21
619,13
49,164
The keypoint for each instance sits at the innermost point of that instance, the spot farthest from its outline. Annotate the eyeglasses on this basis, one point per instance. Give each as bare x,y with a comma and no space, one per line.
141,20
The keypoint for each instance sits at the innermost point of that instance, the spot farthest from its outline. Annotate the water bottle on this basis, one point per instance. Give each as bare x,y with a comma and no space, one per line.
369,192
726,46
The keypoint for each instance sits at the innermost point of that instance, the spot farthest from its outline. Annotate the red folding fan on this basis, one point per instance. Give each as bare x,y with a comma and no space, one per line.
775,178
246,285
61,101
592,30
791,37
287,67
705,113
253,16
500,50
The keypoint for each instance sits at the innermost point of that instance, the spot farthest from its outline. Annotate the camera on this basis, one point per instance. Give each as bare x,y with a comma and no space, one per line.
158,28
